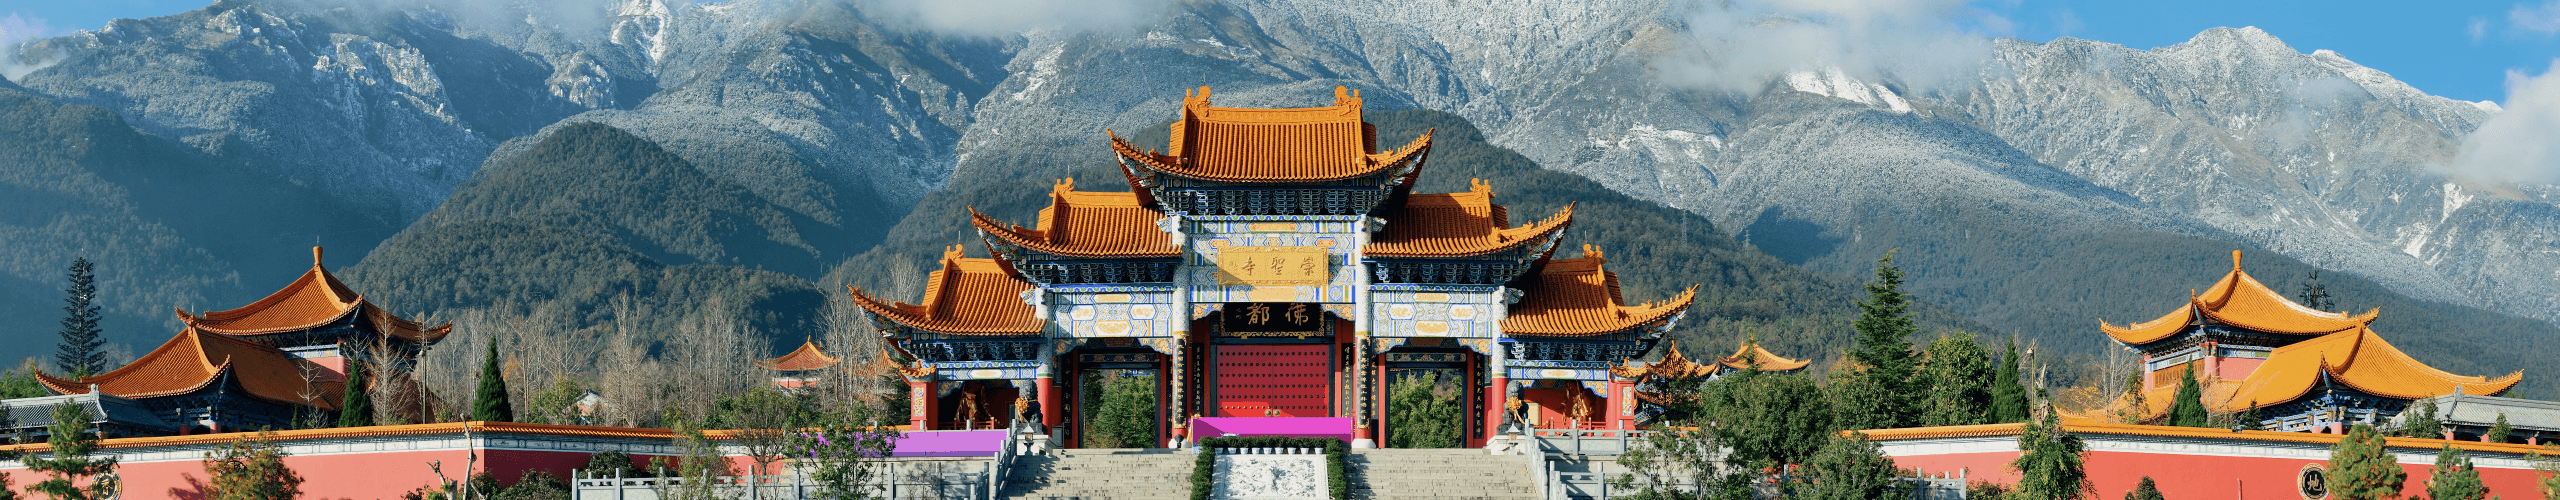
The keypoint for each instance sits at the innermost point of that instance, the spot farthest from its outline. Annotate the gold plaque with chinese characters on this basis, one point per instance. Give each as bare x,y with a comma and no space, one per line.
1274,266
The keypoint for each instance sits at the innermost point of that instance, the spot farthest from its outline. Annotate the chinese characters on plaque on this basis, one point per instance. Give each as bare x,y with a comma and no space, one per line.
1274,266
1272,317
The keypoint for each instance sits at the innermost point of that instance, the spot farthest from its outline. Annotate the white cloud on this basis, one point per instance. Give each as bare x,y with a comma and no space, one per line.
2544,19
1006,17
2479,28
1740,45
15,28
2518,144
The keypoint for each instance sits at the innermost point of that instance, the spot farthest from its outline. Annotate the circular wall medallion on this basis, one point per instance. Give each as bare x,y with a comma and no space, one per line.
2313,481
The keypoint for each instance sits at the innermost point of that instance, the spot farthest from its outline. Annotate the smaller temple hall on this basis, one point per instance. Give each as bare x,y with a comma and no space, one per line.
2301,369
261,365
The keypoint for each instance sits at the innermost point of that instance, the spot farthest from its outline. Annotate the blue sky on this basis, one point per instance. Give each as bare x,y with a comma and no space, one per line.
2464,49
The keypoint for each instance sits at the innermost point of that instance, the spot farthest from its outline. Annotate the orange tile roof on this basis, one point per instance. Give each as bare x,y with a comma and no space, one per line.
1086,224
1458,225
1673,365
1750,352
317,298
2241,301
1576,297
1272,145
965,297
2357,358
191,361
806,358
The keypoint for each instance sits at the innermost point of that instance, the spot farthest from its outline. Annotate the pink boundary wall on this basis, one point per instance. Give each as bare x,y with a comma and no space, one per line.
2190,462
379,462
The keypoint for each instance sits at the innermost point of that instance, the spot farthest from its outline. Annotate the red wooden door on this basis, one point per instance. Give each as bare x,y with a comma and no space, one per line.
1274,380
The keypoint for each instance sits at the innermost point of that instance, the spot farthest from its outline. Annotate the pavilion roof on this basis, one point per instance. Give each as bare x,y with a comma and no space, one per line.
1272,145
2358,359
807,357
193,360
965,297
1672,366
314,299
2240,300
1579,297
1750,353
1086,224
1458,225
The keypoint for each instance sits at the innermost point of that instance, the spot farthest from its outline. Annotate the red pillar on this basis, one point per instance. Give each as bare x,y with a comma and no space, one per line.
920,408
1048,401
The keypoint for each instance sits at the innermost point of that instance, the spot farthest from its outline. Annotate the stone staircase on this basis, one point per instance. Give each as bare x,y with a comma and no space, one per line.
1133,474
1101,474
1391,474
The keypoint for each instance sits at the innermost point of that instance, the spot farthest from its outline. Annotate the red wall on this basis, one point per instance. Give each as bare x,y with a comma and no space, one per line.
2200,477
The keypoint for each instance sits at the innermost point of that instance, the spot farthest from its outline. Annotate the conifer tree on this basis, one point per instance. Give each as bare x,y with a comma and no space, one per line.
2454,479
2049,464
81,339
2251,420
2499,431
2188,410
1959,375
491,404
356,409
2144,491
2008,395
2360,469
71,465
1884,327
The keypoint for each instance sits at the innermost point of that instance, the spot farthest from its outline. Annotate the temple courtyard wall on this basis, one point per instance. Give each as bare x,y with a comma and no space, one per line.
2189,462
381,461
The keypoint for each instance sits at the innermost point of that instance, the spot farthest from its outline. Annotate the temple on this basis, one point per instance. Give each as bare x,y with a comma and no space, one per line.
262,365
800,367
2302,369
1271,263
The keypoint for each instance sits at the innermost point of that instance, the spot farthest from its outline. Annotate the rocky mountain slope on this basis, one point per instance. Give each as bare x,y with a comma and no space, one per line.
2055,184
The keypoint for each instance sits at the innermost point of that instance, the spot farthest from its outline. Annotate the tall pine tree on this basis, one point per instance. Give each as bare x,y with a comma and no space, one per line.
356,409
2188,409
81,338
491,405
1884,329
2008,395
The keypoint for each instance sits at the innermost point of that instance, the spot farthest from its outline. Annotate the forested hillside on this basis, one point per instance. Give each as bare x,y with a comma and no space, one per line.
592,222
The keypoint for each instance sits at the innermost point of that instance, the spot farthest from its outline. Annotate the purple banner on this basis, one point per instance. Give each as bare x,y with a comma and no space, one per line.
1318,427
949,444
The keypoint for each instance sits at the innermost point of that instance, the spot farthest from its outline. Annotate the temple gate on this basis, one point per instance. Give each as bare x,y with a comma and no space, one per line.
1270,263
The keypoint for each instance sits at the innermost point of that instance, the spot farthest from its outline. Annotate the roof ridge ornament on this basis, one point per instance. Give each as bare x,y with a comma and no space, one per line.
2235,261
315,256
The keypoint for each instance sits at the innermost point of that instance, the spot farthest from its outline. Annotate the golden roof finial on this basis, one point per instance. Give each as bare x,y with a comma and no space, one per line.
1590,251
315,256
2235,260
1480,186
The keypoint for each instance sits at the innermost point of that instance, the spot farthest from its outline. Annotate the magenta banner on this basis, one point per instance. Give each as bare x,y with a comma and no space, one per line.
1320,427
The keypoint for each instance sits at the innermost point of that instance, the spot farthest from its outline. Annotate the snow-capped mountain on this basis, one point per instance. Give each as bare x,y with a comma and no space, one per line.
2046,161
